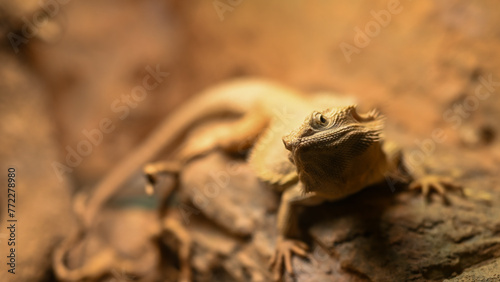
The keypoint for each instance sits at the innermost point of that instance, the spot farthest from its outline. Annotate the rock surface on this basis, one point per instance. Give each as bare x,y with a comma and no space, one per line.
376,235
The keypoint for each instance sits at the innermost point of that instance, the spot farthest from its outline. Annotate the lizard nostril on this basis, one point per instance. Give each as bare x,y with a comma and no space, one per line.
287,144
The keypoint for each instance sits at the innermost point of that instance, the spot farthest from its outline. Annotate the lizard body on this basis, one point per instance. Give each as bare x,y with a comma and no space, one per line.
263,101
314,148
237,98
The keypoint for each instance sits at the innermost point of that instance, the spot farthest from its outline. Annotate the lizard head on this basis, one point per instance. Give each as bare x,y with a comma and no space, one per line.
332,146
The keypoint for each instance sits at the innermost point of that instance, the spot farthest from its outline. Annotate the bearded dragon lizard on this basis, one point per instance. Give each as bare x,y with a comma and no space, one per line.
313,148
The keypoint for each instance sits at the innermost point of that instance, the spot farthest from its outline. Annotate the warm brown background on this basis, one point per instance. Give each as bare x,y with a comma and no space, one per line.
426,63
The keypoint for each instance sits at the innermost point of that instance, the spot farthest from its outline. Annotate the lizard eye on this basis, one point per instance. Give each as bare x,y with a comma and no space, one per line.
318,120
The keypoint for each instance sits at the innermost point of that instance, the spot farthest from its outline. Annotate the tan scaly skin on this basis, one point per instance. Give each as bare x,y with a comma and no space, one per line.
313,148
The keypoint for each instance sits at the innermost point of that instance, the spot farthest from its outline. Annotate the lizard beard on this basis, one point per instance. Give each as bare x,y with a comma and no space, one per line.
342,167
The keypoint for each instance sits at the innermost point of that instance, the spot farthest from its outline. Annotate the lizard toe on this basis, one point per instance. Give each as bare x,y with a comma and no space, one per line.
285,249
433,182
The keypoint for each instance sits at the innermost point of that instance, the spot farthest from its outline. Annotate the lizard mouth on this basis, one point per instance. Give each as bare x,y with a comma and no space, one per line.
325,137
290,144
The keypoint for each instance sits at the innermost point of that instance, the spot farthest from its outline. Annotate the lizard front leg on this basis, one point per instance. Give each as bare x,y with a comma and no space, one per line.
421,180
287,225
430,182
427,182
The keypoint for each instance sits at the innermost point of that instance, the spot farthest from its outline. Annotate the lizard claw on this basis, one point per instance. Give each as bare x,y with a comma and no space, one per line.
434,182
285,248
